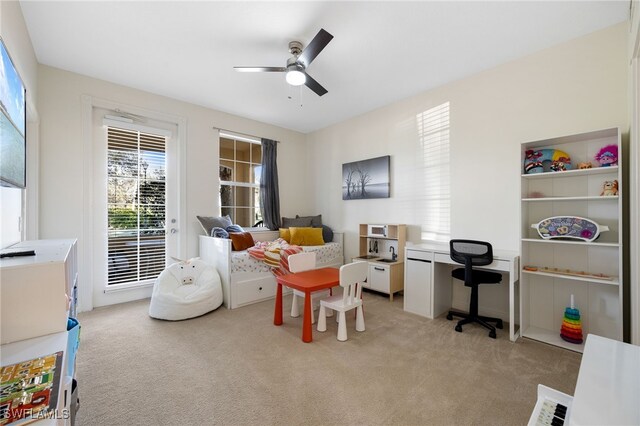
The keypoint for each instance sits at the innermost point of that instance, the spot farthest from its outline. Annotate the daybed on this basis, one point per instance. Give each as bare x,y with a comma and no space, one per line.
246,280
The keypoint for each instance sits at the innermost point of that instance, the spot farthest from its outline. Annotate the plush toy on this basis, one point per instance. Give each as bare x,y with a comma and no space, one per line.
586,165
609,187
546,160
607,156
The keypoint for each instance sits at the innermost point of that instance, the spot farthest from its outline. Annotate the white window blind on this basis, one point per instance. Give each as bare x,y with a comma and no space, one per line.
136,210
433,132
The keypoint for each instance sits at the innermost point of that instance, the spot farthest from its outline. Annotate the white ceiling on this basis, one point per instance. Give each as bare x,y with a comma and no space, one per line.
381,52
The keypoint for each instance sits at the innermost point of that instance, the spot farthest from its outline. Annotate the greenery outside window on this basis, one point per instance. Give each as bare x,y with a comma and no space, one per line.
136,206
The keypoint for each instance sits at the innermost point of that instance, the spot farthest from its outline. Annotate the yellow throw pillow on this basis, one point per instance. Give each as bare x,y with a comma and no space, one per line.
306,236
285,234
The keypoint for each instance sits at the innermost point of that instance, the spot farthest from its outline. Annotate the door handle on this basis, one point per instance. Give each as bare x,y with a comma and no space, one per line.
378,269
173,230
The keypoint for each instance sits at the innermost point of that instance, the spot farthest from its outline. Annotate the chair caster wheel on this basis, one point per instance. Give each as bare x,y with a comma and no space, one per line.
449,317
458,329
492,334
499,325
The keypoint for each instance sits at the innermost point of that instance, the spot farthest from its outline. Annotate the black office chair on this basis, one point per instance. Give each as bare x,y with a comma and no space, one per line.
473,253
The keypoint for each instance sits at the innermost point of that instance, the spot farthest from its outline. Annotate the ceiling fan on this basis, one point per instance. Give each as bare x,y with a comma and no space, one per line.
298,63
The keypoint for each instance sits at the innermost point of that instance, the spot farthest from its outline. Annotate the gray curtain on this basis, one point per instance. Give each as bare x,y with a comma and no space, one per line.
269,192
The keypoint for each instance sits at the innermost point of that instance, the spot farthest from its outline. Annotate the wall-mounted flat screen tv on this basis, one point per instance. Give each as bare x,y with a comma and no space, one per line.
13,120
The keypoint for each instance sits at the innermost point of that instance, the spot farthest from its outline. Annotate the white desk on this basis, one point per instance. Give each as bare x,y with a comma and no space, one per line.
607,388
433,287
608,384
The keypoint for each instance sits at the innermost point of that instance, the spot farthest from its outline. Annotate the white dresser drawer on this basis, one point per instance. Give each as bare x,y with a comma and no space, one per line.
253,291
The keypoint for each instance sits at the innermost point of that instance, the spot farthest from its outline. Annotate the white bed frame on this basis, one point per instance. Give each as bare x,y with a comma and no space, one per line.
244,288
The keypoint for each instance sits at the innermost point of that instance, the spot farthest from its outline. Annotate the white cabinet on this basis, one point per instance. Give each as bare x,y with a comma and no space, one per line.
37,295
34,376
417,282
556,268
607,387
385,275
378,278
37,292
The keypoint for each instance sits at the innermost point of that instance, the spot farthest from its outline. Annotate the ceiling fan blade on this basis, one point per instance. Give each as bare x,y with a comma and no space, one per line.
314,48
314,85
260,69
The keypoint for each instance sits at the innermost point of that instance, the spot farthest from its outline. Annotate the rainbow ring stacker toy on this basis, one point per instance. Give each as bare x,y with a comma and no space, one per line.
575,227
571,330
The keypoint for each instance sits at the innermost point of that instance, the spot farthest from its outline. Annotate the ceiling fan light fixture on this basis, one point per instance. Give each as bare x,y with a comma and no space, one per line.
296,78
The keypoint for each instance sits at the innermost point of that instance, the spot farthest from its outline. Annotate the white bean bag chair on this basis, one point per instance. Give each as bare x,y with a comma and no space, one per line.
185,290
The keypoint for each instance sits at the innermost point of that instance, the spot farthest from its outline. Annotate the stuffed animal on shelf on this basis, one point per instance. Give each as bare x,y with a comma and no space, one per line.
546,160
609,187
607,156
586,165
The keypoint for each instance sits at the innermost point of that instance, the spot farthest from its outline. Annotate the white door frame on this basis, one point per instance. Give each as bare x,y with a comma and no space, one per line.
634,172
87,249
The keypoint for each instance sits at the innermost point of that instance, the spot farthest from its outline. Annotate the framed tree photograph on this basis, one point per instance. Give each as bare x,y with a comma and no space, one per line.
366,179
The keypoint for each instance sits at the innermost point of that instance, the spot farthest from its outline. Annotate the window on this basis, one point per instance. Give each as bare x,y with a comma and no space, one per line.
240,169
433,132
136,208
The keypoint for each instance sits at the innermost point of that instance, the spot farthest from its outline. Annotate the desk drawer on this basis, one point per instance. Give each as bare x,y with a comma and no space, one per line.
419,254
443,258
498,265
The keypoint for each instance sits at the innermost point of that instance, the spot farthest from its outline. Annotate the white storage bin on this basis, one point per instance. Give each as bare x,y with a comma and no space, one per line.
35,290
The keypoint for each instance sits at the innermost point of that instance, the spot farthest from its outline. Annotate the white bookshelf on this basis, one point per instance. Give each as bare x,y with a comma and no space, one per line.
544,295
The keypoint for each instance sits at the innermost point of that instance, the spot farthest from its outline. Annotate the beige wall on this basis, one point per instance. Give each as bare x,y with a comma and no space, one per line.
62,180
574,87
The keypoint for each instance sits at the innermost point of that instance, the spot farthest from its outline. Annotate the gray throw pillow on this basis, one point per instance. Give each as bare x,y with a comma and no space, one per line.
210,222
301,222
316,221
327,234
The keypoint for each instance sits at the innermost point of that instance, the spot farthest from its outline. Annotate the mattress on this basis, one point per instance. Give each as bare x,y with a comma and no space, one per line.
241,261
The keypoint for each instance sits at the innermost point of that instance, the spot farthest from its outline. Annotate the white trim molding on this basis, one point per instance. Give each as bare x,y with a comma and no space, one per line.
86,253
634,172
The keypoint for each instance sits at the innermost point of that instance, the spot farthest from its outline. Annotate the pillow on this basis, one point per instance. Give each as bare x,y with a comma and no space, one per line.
301,222
316,221
285,234
306,236
241,240
219,233
210,222
327,234
234,228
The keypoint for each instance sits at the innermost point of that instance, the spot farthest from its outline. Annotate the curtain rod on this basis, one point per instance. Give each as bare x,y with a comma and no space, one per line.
239,133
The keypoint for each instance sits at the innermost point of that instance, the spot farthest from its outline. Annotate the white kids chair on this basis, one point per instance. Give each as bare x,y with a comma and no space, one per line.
300,262
352,276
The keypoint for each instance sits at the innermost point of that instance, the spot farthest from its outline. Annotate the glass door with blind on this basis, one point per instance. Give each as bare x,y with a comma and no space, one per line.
136,206
134,225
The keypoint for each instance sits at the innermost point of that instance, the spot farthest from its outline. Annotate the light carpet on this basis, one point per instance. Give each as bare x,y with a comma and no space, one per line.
234,367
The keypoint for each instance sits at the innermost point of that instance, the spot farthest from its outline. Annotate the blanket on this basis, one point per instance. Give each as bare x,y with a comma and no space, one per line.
275,254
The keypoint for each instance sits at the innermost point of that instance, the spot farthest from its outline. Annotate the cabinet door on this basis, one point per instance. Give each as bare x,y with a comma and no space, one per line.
379,278
417,287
